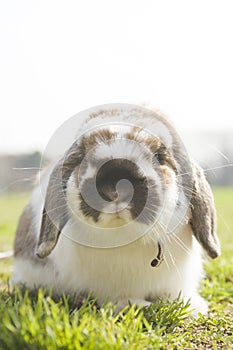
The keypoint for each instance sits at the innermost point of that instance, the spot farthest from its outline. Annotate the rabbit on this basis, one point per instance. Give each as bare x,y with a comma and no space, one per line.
126,215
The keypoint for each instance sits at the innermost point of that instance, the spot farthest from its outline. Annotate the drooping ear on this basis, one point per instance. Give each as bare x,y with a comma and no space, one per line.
55,213
203,219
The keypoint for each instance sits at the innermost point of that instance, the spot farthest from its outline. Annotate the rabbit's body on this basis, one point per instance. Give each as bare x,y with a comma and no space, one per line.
118,274
63,243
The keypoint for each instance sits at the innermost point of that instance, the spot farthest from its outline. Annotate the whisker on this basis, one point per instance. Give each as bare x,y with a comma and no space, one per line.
166,262
28,168
170,256
54,209
4,189
229,230
181,244
189,189
162,239
209,169
174,237
167,239
220,153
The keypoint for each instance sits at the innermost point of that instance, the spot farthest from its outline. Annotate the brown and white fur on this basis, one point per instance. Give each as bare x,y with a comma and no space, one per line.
63,243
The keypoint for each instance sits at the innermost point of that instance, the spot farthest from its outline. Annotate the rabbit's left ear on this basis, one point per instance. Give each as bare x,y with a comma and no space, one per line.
55,213
203,219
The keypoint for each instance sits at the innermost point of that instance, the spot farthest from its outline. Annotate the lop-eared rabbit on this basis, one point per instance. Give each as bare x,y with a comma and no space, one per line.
126,215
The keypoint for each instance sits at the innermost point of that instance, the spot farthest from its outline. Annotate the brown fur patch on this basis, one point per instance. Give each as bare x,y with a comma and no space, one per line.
25,240
166,176
203,219
55,213
156,147
166,158
105,113
134,135
104,135
153,144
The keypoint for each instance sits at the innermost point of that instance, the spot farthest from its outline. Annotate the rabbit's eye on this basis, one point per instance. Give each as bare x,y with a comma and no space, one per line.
163,157
159,158
140,180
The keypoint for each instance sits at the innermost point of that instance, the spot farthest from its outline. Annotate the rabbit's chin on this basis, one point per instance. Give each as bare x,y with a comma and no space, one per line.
115,220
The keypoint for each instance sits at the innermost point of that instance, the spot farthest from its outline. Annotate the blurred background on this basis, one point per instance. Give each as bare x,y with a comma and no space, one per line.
61,57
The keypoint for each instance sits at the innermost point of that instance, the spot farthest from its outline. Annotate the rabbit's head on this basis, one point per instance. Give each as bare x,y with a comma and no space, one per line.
128,171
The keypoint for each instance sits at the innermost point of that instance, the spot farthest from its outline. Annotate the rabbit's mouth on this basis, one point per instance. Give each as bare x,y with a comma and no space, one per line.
118,219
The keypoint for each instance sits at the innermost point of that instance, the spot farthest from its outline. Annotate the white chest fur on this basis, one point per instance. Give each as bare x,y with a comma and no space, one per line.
126,272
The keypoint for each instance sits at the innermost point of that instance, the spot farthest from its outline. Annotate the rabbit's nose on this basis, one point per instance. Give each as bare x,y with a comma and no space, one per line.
120,192
109,195
125,191
107,192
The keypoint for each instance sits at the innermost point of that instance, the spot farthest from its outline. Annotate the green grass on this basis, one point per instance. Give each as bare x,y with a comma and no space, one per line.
40,322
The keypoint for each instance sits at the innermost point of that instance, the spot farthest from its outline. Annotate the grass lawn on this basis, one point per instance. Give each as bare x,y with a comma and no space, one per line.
39,322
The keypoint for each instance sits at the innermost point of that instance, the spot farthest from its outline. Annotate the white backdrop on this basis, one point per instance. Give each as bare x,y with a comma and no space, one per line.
60,57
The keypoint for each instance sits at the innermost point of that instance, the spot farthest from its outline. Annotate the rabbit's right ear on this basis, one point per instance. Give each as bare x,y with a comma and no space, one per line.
55,212
203,220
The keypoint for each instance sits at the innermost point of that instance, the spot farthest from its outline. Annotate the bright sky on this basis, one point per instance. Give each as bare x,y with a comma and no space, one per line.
60,57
